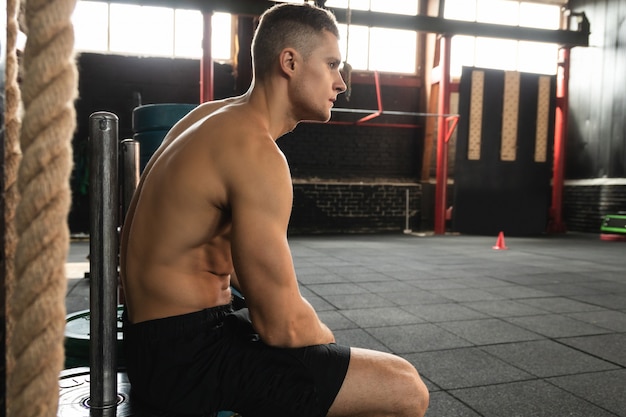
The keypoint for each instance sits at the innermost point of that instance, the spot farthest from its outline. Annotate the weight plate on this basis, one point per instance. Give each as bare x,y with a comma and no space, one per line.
74,395
77,329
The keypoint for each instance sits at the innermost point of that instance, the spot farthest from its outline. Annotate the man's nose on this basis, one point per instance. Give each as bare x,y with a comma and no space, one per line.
340,86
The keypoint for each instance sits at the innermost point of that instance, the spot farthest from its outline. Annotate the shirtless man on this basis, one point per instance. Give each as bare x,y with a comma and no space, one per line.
211,211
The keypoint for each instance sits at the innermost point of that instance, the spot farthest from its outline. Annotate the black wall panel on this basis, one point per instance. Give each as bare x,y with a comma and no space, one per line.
596,145
491,194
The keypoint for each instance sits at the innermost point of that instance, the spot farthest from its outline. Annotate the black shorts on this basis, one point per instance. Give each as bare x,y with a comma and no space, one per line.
212,360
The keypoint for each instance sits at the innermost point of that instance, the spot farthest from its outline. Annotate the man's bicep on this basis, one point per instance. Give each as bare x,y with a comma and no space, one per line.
260,209
264,267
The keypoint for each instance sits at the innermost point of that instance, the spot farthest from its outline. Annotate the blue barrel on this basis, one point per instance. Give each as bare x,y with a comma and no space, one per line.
151,122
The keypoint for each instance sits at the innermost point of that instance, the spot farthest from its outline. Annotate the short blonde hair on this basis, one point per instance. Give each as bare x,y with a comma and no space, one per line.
288,25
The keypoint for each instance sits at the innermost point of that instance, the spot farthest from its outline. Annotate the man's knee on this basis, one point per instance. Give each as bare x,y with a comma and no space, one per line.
422,398
415,395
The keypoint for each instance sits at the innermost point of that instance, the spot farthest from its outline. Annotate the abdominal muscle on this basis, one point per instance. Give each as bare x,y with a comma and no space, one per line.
164,291
171,264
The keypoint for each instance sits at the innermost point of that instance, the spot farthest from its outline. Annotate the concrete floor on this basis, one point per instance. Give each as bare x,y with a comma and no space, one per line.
536,330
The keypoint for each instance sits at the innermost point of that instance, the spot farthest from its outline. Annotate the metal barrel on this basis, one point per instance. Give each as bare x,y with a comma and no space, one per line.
103,247
151,122
130,172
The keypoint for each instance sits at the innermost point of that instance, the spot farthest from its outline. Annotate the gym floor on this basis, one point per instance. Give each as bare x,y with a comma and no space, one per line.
538,329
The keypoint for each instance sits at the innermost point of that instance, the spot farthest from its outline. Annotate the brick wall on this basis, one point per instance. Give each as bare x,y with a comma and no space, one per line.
341,152
344,207
350,179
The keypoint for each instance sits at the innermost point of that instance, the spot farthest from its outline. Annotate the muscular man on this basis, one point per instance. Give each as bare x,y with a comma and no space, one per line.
212,210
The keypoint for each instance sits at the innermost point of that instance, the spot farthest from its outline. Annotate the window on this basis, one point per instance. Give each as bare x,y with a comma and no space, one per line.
141,30
378,49
148,31
188,34
159,31
392,50
504,54
91,26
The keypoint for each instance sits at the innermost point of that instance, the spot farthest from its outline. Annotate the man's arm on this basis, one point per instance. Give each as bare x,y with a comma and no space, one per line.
260,194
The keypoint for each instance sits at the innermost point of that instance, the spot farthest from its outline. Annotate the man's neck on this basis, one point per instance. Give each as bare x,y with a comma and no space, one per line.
270,100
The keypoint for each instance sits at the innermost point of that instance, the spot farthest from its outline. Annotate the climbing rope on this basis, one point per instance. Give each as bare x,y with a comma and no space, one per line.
347,68
37,303
12,157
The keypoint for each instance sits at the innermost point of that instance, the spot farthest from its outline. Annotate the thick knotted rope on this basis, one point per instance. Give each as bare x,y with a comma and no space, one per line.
37,304
12,157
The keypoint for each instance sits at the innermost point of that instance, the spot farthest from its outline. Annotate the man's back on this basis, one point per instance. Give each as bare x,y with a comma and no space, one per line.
176,254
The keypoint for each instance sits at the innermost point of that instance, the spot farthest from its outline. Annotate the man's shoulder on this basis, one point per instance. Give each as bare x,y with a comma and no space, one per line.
234,125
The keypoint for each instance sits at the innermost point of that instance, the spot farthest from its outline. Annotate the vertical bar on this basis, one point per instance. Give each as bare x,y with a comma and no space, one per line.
442,146
476,115
560,135
407,212
510,116
206,64
130,173
103,252
543,119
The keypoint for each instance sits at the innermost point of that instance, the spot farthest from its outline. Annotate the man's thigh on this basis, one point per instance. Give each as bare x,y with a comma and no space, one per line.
262,380
379,384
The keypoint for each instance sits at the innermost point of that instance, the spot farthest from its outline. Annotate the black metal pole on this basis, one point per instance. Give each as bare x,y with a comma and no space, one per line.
103,257
130,172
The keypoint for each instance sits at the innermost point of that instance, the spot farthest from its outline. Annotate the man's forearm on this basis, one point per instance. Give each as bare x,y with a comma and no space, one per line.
325,334
328,335
301,327
314,332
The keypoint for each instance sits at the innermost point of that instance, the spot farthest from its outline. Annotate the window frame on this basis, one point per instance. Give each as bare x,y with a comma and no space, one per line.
518,46
98,16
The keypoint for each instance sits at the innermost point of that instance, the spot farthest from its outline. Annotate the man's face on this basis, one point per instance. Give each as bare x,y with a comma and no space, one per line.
318,81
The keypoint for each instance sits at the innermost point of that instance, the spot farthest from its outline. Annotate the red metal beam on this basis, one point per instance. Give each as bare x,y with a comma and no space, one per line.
450,127
379,101
557,225
442,145
377,113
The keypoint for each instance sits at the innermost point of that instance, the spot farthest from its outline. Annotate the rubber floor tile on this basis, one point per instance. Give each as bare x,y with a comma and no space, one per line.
443,404
465,368
605,389
546,358
527,399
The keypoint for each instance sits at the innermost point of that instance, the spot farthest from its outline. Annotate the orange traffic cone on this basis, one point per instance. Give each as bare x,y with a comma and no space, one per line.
500,245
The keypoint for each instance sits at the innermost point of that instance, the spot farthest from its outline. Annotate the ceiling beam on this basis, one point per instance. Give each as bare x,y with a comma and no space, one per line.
418,23
459,27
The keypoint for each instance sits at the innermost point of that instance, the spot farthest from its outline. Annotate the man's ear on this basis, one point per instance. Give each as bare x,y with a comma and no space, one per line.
288,61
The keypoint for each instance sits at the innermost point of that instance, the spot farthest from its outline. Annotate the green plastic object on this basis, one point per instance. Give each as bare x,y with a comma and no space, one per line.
614,223
149,142
151,123
159,116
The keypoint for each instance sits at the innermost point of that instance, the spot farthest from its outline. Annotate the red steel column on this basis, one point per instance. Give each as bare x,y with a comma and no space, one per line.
442,145
206,64
560,135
